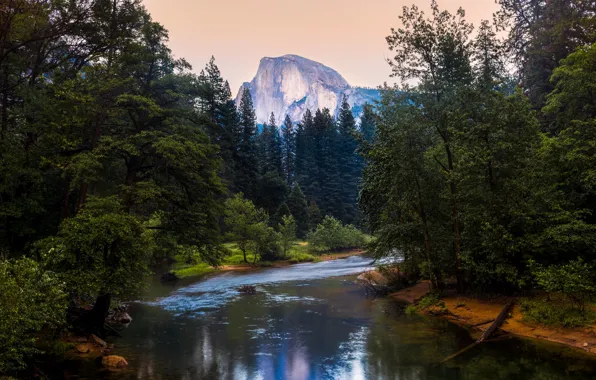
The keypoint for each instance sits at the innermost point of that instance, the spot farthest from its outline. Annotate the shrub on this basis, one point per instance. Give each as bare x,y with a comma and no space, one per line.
574,280
552,313
31,299
332,235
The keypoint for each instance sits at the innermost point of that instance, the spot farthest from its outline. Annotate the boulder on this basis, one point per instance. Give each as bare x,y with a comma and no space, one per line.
247,289
122,317
83,348
114,362
97,341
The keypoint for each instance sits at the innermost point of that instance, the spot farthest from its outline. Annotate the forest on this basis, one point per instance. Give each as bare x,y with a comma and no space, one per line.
478,170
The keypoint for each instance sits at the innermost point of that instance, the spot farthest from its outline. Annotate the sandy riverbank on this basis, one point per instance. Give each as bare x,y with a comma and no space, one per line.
474,314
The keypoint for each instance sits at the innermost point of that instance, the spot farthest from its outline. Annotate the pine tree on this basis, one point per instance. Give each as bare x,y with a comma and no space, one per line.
299,208
314,215
368,123
305,169
289,150
248,169
325,189
274,148
348,164
282,210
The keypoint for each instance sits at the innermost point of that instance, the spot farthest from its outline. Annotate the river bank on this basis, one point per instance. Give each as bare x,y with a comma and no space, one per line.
284,263
476,315
236,263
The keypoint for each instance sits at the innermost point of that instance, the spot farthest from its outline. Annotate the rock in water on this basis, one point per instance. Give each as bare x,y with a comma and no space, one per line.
169,277
114,362
97,341
290,85
122,317
83,348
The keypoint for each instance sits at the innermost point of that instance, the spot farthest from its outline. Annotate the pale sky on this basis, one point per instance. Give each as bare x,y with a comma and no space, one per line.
346,35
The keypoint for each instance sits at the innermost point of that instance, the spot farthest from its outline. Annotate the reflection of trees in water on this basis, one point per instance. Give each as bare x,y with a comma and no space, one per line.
408,348
282,335
521,359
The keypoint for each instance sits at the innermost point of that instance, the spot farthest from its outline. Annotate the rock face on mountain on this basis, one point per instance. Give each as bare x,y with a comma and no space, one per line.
290,85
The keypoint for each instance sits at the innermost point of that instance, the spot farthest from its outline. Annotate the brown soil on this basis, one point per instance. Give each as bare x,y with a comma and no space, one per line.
414,293
478,314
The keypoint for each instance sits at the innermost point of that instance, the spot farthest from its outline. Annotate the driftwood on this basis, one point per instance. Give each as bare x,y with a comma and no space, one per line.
483,323
487,333
497,323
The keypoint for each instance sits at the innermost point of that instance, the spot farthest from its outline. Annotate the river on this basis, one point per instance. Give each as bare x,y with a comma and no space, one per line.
311,321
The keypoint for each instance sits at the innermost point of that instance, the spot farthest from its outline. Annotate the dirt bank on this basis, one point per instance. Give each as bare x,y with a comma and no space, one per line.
477,314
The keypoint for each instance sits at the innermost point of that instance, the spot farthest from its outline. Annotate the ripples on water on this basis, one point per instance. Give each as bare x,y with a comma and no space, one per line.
310,321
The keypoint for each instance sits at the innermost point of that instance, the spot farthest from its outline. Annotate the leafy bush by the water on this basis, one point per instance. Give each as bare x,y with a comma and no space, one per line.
432,304
332,235
553,312
574,280
30,300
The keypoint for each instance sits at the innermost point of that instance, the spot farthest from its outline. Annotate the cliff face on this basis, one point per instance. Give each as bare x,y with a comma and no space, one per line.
289,85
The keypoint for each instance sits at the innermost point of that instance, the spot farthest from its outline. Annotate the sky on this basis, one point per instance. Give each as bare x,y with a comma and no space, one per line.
346,35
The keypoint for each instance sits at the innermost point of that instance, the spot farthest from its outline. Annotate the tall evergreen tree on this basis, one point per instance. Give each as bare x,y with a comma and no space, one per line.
348,163
289,133
325,188
248,161
299,208
367,126
304,158
273,142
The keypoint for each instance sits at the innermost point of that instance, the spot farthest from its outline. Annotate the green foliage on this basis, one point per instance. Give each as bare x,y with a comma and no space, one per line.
248,227
287,232
101,250
31,300
576,280
430,300
299,209
198,269
551,312
332,235
299,257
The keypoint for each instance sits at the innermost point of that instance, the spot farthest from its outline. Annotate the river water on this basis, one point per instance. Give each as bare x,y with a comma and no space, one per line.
311,321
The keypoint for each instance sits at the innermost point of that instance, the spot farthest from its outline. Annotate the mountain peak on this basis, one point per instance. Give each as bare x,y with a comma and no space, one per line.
291,84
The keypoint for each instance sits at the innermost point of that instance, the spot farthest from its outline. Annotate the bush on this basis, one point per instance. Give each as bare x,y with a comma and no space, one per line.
554,313
574,280
332,235
31,299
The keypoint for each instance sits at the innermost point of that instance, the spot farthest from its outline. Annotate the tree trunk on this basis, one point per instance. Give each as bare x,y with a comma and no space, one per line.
99,313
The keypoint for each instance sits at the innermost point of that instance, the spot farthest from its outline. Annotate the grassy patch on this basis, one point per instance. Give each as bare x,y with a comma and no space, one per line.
555,312
298,257
236,259
194,270
432,304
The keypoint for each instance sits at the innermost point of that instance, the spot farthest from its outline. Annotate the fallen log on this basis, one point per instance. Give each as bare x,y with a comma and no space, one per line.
483,323
497,323
487,333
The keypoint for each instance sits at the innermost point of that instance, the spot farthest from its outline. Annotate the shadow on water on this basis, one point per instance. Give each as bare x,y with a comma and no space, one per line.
311,321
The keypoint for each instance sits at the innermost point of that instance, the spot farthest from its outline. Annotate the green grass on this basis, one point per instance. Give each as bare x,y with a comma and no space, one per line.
299,253
193,270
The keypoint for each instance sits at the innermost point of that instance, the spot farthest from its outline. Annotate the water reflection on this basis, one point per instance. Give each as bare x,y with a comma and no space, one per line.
303,325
